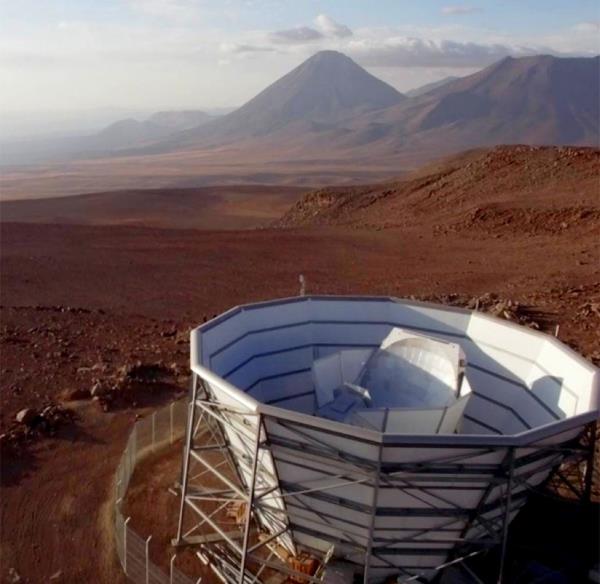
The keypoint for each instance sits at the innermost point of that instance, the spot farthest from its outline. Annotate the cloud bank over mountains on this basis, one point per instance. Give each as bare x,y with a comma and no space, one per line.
325,27
168,54
391,47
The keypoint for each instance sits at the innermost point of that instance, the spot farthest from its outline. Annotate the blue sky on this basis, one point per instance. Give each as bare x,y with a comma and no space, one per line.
545,15
67,55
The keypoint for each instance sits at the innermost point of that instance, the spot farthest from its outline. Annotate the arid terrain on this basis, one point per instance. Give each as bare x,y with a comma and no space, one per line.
328,121
224,207
102,307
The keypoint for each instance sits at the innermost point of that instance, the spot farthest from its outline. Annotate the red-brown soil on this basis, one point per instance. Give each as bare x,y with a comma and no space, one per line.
234,207
501,191
268,165
134,292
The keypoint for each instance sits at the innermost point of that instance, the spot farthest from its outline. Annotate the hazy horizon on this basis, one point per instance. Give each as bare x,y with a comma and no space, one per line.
63,57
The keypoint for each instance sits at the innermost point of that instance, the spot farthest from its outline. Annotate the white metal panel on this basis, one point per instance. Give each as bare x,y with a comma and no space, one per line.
393,454
349,333
275,315
305,404
221,334
237,400
579,381
326,508
453,416
332,371
413,421
552,391
328,442
264,340
370,418
342,309
517,397
519,342
429,317
279,388
323,453
277,365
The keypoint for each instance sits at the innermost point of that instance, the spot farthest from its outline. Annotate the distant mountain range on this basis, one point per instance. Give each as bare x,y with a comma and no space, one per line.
322,93
122,134
423,89
531,100
331,107
130,132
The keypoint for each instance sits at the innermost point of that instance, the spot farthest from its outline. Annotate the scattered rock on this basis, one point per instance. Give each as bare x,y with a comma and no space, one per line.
98,389
26,416
77,394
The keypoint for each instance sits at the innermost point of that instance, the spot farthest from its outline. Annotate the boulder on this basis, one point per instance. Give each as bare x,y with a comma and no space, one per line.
77,394
98,389
26,416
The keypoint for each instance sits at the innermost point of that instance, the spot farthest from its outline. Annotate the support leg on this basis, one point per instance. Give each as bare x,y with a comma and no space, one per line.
186,457
511,467
250,501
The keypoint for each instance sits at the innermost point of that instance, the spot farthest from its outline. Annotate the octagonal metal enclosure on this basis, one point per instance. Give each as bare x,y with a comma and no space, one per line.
388,499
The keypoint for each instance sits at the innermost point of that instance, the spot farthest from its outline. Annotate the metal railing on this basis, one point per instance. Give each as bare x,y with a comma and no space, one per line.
163,427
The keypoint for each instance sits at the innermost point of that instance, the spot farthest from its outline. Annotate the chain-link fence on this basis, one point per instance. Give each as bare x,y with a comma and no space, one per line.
161,428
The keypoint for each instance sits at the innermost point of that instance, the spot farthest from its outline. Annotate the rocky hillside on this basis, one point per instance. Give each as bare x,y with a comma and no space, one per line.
496,191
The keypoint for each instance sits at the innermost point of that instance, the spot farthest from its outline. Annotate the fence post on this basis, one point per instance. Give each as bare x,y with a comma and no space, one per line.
148,559
171,422
128,455
125,545
171,566
134,448
153,429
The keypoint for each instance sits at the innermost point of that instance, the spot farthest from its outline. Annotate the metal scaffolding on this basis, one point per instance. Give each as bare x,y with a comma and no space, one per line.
230,449
234,555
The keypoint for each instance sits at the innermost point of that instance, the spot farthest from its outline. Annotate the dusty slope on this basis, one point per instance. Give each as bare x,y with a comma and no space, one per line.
187,276
227,166
134,293
501,191
235,207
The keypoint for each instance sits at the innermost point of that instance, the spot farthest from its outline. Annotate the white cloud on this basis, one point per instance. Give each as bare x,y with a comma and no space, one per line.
298,35
241,48
330,27
588,27
171,60
326,28
458,10
417,52
171,9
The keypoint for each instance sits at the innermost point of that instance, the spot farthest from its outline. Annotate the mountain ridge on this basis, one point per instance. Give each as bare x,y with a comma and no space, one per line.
331,109
530,100
497,190
325,89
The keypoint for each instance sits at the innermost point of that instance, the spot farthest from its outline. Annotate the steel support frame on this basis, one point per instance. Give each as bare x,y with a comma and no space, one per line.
346,470
228,557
